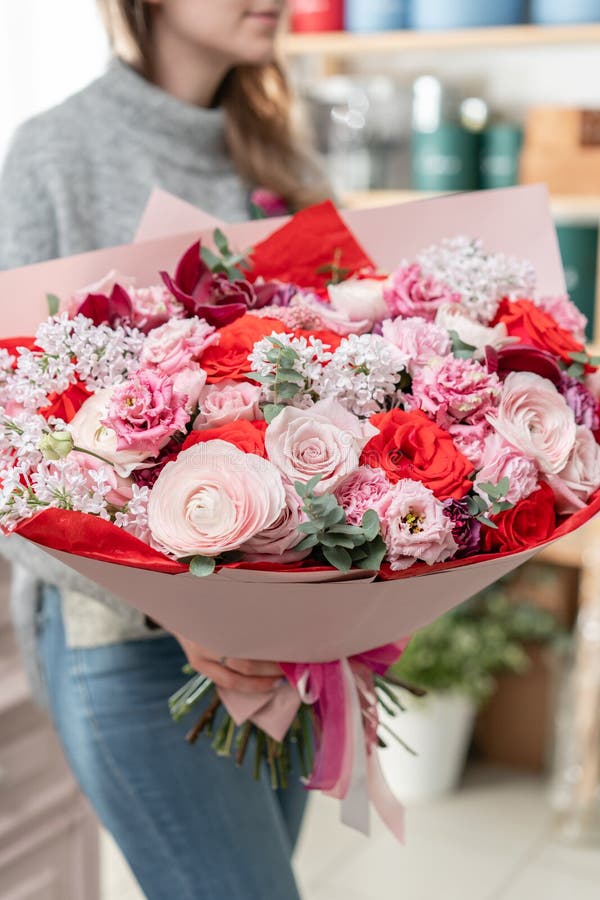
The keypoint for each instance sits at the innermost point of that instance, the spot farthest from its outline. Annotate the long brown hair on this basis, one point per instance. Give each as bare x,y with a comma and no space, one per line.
261,137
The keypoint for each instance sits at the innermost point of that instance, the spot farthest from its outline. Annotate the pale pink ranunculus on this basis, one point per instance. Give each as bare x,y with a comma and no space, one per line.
153,306
190,382
91,434
415,526
580,478
324,440
212,499
456,390
328,317
360,491
146,411
275,544
103,286
176,344
452,317
535,418
359,299
471,439
419,340
121,488
565,314
227,401
502,460
410,292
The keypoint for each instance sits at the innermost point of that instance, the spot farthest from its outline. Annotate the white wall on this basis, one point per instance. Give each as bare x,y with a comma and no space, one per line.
48,50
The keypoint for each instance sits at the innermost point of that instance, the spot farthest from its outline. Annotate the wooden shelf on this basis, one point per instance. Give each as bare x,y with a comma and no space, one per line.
342,43
584,205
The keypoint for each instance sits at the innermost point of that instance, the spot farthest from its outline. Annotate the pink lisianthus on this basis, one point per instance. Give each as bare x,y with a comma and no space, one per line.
565,314
145,412
212,499
121,488
418,340
502,460
324,440
415,526
471,439
176,344
227,401
409,292
153,306
580,478
535,418
275,544
361,491
456,390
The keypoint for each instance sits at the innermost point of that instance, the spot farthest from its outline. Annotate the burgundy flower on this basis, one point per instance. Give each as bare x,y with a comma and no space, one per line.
466,530
112,310
274,293
582,402
523,358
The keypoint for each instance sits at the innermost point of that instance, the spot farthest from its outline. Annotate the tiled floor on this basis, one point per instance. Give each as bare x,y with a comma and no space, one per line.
494,840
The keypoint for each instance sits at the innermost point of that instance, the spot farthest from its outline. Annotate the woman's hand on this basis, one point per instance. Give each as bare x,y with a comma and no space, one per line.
232,674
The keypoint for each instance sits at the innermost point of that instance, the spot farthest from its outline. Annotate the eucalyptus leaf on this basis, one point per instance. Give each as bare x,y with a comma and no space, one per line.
53,304
271,411
221,242
201,566
307,543
338,558
370,524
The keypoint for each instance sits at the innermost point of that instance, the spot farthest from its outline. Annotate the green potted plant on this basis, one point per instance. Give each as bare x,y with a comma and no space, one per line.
456,661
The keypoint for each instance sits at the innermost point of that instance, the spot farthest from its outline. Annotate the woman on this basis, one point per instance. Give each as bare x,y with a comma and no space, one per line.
200,110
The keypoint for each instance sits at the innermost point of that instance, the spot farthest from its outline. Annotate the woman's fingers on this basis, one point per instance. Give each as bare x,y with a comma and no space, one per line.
234,681
251,667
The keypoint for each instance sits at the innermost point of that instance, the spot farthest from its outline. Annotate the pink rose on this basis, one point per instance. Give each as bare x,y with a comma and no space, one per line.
415,526
174,345
121,488
358,299
90,433
145,412
153,306
227,401
212,499
501,460
535,418
565,314
418,340
580,478
324,440
409,292
452,317
189,382
471,439
360,491
456,390
275,544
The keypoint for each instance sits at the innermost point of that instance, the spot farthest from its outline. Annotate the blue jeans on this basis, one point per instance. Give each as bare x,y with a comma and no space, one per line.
191,825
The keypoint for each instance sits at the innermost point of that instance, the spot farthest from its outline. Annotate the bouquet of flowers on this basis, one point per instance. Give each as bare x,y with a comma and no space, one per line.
291,413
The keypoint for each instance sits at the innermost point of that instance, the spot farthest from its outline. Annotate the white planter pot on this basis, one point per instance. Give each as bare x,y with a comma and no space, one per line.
438,728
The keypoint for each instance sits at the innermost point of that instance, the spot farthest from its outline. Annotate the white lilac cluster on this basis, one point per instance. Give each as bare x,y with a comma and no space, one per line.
311,355
71,349
482,280
134,515
364,375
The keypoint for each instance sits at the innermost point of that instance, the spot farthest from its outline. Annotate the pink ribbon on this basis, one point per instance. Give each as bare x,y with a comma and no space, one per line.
343,698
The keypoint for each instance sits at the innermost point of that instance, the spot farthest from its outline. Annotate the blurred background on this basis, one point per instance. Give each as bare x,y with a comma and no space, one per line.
406,99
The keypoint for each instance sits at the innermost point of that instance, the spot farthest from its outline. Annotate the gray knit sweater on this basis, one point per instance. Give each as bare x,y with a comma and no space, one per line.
77,178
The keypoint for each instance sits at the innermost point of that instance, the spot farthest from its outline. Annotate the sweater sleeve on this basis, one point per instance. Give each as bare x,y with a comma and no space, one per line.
28,225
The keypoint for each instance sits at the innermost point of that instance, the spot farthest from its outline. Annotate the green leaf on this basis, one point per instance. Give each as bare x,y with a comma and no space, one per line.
308,543
312,483
53,304
256,212
501,506
492,490
261,379
290,375
375,556
338,558
221,242
309,527
336,540
487,522
355,530
503,486
579,357
209,258
335,517
475,505
576,370
201,566
594,360
285,391
271,410
370,524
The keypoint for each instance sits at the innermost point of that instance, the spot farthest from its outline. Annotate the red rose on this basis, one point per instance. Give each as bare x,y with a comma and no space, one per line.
229,358
248,436
528,523
410,445
524,320
65,405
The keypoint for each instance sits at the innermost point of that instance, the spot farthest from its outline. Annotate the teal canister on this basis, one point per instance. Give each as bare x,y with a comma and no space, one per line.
375,15
578,242
500,151
446,159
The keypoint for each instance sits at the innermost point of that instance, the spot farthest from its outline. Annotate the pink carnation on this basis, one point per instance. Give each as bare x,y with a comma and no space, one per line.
410,292
153,306
565,314
415,526
174,345
145,412
418,340
275,544
227,401
502,460
456,390
361,491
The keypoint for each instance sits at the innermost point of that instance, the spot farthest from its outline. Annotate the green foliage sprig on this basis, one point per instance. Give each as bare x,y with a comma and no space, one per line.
226,261
285,381
579,361
479,507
